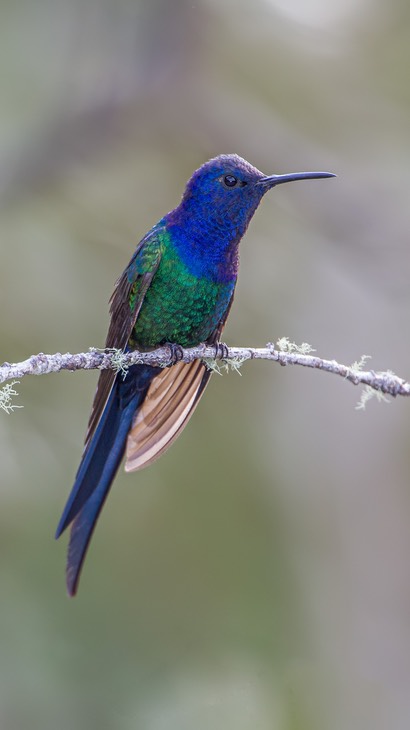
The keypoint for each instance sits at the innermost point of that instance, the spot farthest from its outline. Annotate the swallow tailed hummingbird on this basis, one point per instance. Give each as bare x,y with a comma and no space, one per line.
177,288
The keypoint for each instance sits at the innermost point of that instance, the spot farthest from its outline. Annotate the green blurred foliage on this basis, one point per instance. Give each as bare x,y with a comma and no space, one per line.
256,576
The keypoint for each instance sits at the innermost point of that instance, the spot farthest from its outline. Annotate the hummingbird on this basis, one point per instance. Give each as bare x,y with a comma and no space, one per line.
177,289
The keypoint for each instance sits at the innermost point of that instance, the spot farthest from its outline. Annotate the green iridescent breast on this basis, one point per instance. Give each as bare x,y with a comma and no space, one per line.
178,306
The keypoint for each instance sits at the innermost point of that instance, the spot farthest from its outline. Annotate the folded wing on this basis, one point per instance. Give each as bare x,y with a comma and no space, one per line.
169,403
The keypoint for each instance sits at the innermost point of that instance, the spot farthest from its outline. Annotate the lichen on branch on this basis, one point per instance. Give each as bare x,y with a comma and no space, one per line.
284,352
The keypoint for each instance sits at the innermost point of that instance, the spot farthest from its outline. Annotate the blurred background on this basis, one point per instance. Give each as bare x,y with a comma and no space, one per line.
257,576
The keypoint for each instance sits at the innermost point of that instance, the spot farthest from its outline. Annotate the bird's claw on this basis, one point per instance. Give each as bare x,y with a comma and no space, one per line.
176,352
221,351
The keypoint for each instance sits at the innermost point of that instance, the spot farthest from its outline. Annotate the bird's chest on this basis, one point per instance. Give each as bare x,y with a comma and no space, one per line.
180,307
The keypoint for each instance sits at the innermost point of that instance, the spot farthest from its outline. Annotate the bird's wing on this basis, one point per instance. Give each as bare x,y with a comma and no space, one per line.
125,304
168,405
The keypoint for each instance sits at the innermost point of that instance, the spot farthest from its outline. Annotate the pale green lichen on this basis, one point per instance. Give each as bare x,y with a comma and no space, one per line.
285,345
235,363
359,364
7,393
367,394
224,366
213,365
119,362
118,359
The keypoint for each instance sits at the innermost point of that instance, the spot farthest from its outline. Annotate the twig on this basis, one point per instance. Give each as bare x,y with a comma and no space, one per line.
285,353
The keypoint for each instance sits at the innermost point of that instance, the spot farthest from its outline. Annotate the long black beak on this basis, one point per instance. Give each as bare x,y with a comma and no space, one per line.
272,180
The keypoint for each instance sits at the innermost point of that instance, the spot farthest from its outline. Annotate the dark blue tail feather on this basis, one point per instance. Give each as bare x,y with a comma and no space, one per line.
99,465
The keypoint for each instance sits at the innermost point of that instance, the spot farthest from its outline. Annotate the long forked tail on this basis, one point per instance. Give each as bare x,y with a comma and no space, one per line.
99,465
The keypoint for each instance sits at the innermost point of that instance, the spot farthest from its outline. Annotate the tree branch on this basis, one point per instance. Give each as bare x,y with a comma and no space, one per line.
285,353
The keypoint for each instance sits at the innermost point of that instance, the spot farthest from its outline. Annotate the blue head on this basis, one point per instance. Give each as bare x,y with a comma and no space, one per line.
222,196
217,206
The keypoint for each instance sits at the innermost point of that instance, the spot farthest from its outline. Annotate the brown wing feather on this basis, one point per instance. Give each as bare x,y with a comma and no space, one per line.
170,402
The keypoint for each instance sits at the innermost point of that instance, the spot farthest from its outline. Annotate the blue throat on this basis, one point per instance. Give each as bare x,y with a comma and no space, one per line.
209,252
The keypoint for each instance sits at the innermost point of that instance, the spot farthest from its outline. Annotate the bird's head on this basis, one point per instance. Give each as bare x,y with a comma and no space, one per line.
226,191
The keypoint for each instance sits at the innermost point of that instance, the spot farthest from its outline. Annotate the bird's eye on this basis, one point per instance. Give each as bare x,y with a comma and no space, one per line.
230,181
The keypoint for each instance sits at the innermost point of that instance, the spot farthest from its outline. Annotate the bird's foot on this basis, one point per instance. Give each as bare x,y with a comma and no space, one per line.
221,351
176,352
